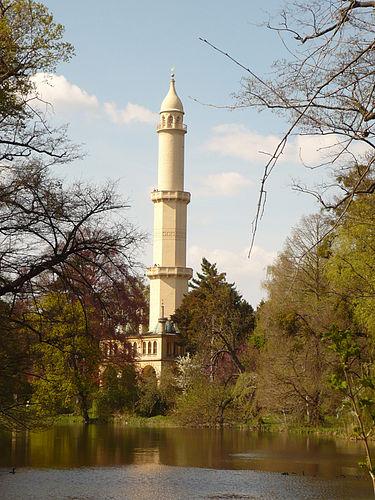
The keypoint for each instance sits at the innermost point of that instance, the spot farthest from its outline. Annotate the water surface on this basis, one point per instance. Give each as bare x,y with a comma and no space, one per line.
116,461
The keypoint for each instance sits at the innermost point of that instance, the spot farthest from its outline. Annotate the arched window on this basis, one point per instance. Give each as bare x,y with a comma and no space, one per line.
169,121
155,348
177,121
149,348
163,121
144,348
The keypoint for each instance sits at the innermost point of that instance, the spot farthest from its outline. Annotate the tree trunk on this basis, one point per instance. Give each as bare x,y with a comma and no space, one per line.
361,426
84,408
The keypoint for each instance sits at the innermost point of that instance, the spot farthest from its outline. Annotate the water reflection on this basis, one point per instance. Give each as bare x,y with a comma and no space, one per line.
70,446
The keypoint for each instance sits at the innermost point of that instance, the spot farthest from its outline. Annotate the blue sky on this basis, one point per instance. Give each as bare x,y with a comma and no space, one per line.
112,89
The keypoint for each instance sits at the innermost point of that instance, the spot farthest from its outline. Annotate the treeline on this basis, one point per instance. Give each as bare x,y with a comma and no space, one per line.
304,357
309,357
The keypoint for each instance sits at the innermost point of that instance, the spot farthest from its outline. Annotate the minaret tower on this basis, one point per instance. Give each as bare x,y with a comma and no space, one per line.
159,347
169,275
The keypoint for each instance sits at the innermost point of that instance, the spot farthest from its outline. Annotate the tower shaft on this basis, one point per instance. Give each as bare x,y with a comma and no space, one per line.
169,275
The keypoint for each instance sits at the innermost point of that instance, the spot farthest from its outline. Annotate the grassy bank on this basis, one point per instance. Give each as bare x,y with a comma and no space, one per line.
332,428
129,420
264,425
273,423
137,421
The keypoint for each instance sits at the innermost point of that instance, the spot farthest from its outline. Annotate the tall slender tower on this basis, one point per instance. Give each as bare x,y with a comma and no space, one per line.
169,275
156,349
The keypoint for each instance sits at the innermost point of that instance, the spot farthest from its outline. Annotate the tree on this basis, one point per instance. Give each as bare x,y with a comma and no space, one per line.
206,401
67,357
31,42
45,226
204,404
15,387
324,87
118,391
215,320
294,362
149,402
44,222
355,379
351,267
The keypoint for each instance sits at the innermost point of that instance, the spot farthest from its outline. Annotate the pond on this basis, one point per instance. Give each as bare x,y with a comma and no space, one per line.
115,461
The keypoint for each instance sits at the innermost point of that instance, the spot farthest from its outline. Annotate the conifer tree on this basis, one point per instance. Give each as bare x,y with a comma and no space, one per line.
215,320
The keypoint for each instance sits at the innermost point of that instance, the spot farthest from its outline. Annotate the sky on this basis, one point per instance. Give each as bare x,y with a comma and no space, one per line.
110,94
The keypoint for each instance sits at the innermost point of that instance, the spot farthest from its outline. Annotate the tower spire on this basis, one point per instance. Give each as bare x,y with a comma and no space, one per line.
171,101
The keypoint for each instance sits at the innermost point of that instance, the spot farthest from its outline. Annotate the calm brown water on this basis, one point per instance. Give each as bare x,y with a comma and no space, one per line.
114,461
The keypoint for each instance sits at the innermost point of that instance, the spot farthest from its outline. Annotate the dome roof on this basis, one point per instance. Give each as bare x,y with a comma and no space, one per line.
171,101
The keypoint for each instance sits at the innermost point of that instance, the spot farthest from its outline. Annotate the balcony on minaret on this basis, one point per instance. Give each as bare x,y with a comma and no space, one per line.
172,121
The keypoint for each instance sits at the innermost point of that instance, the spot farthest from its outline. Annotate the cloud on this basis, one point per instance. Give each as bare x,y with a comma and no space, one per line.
245,273
223,184
66,96
131,113
320,149
58,91
237,141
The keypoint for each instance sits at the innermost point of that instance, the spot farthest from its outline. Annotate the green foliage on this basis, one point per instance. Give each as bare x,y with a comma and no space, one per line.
118,392
355,379
351,269
15,389
67,358
156,397
258,340
345,343
149,403
203,404
214,319
244,397
31,42
294,363
216,323
168,389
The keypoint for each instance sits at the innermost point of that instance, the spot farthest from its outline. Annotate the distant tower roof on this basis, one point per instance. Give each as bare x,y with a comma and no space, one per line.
171,101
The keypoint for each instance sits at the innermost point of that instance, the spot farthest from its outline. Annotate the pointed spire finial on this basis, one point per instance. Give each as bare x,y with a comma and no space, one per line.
171,101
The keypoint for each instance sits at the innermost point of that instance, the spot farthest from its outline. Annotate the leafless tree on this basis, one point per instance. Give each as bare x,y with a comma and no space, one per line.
325,87
45,226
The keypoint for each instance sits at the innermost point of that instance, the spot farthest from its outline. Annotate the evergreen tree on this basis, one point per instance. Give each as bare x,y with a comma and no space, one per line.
215,321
